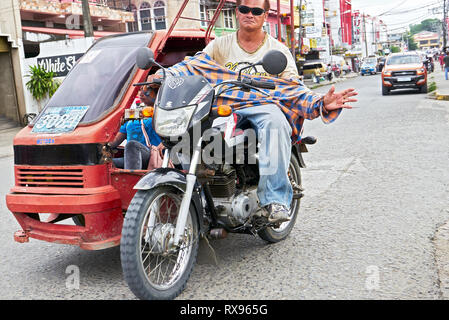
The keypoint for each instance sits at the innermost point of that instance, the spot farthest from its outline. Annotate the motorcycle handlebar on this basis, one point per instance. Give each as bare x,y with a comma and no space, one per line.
155,81
263,84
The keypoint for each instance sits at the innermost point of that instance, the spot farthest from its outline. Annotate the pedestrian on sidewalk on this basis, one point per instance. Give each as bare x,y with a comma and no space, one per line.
329,72
446,65
441,59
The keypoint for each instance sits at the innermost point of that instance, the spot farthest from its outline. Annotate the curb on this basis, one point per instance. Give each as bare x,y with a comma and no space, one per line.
337,80
441,245
441,97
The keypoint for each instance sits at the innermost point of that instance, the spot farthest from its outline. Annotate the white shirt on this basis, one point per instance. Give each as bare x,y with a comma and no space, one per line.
227,52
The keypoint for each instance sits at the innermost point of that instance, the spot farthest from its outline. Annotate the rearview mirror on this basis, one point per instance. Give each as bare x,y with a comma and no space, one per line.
274,62
144,58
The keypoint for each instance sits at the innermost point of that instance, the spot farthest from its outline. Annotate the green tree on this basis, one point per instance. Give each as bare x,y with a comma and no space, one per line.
41,84
411,42
432,25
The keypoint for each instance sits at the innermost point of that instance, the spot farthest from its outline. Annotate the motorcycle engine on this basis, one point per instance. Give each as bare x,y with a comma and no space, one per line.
236,210
233,207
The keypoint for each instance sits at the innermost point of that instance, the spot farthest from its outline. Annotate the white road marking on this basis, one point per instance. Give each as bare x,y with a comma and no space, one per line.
319,176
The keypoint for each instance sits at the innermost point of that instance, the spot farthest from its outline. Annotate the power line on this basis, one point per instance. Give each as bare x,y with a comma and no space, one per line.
392,8
434,5
410,22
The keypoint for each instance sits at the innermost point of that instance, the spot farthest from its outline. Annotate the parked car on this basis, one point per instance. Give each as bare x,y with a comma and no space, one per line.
404,70
313,69
368,67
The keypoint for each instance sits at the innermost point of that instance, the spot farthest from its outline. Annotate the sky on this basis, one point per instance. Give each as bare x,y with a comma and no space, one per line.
398,14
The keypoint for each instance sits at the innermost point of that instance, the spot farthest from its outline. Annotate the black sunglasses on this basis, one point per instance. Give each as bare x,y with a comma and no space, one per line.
255,11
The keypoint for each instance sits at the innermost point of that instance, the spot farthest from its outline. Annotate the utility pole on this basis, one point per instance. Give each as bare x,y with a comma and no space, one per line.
364,34
300,28
87,21
444,25
292,29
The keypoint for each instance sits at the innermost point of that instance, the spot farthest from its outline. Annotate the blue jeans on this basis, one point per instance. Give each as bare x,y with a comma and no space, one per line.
446,70
137,156
274,137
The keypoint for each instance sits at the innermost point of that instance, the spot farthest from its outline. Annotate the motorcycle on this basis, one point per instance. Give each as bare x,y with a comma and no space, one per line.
428,63
174,208
336,70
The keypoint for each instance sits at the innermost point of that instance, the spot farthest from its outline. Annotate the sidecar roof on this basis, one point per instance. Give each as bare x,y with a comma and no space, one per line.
101,76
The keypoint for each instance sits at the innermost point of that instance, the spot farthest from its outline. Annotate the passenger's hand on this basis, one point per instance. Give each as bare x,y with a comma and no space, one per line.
144,92
161,148
152,77
337,100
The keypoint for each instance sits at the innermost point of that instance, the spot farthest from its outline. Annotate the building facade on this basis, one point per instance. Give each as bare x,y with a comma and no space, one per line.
12,101
427,40
370,34
47,31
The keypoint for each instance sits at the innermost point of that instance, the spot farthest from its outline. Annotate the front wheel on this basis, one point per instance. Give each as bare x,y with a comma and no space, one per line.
423,88
272,234
153,267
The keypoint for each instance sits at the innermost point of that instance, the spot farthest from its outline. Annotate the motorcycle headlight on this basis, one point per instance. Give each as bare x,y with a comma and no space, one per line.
171,123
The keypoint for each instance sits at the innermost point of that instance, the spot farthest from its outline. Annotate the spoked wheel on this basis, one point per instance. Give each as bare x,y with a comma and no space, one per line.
153,267
272,234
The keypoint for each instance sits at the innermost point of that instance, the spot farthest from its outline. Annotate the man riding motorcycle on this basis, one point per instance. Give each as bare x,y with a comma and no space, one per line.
248,45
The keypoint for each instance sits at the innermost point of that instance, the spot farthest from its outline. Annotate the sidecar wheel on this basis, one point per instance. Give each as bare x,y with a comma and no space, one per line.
274,235
152,267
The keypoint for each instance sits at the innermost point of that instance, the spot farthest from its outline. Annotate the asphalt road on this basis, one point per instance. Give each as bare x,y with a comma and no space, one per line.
377,188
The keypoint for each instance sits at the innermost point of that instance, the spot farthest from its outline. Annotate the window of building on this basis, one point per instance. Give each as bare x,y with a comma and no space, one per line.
133,26
118,4
145,16
159,15
434,41
228,19
204,15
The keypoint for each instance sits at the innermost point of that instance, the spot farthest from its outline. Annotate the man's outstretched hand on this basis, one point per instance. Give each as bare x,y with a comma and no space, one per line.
337,100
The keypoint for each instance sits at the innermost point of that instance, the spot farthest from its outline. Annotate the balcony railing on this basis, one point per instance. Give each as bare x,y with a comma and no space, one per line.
99,8
124,5
94,2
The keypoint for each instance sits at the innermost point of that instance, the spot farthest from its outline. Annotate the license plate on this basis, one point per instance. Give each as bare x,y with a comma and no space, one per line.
59,119
404,79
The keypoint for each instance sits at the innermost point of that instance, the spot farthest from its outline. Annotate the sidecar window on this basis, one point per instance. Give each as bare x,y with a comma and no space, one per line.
99,76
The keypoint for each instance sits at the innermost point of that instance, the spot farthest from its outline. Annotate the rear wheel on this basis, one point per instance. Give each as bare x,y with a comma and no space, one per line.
153,267
272,234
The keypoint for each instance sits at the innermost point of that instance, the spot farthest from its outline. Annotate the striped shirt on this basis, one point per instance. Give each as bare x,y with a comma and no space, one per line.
295,100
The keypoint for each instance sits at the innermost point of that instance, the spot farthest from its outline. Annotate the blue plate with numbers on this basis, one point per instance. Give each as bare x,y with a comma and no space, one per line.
59,119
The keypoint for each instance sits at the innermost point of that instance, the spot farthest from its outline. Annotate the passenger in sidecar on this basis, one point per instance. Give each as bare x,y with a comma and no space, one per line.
140,136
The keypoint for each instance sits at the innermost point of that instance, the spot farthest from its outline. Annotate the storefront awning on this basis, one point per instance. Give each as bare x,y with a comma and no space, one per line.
71,33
